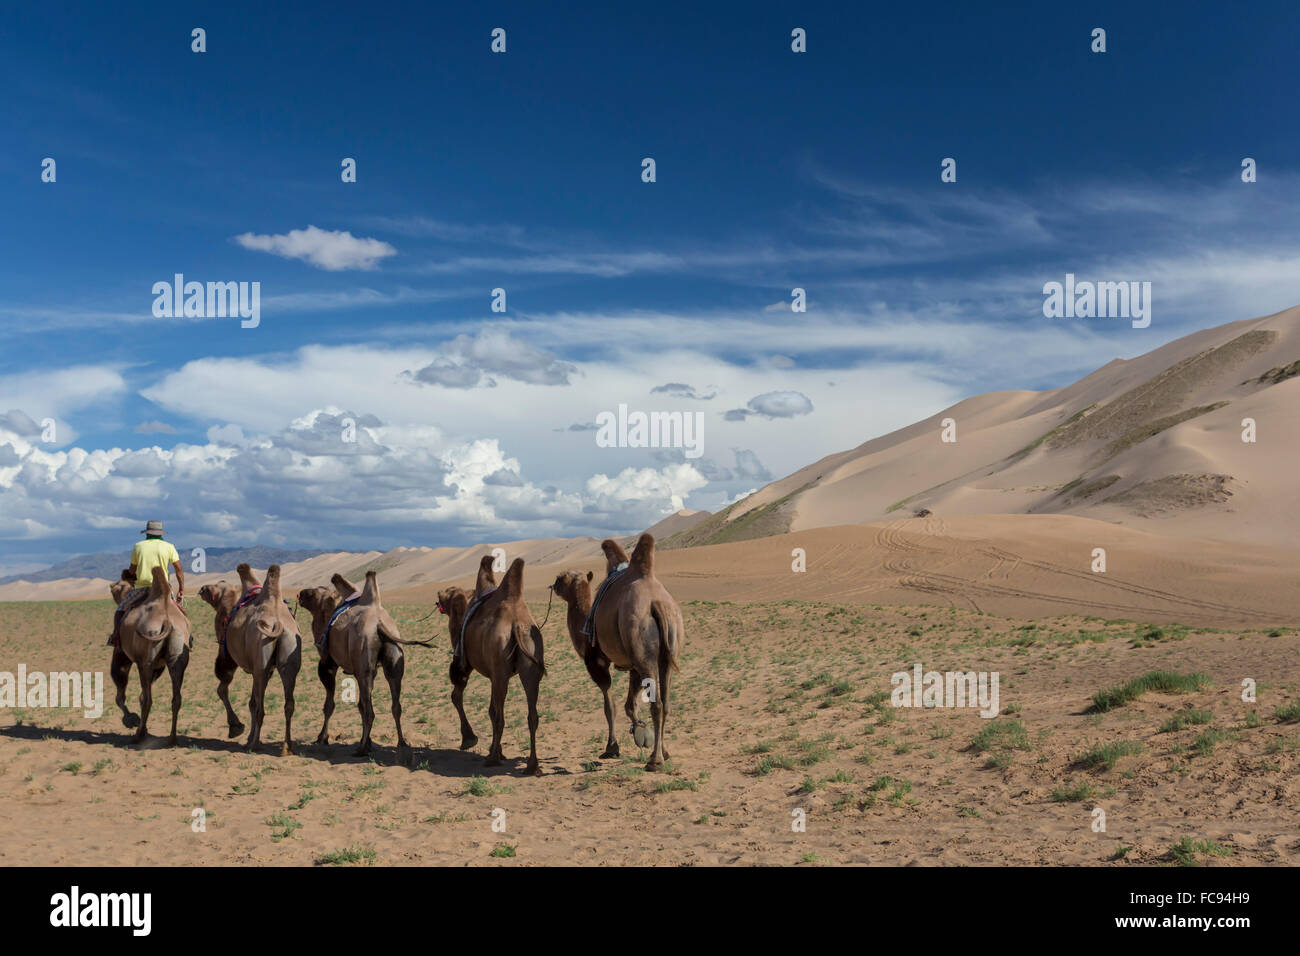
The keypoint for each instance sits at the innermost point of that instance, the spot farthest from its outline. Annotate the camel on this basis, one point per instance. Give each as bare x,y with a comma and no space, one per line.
574,589
499,640
360,639
224,598
155,633
261,637
639,627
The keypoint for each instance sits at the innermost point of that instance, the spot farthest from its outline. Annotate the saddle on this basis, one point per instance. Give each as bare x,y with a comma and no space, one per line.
589,628
324,644
252,592
459,652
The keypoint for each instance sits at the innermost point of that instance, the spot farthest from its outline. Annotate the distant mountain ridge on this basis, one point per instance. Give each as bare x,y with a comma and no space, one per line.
110,564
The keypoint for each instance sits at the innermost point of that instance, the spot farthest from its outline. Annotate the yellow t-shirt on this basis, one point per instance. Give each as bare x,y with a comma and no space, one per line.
149,554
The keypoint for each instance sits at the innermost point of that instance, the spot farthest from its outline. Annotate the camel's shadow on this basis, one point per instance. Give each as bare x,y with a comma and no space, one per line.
442,761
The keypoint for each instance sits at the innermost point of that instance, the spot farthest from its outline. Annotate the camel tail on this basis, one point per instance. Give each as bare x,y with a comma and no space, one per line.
668,635
529,641
391,637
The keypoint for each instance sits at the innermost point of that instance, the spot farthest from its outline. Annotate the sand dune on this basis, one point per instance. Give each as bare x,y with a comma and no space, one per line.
1154,442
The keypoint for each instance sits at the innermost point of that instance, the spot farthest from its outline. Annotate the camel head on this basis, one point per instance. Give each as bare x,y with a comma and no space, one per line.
574,587
220,596
614,554
453,601
122,585
320,604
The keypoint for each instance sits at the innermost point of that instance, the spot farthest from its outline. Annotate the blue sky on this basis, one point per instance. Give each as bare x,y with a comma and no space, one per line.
522,171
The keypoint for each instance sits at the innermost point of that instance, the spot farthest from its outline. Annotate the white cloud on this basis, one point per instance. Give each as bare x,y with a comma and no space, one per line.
330,250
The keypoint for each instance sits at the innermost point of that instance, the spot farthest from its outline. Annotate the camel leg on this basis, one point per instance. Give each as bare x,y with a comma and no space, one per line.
394,667
225,668
120,669
147,674
257,706
288,680
459,678
633,686
659,714
365,684
598,668
176,668
497,711
531,678
326,671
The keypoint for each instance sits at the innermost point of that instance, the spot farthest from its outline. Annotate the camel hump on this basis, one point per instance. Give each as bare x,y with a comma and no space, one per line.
271,586
127,576
512,585
246,577
370,593
160,585
486,580
614,554
643,555
343,586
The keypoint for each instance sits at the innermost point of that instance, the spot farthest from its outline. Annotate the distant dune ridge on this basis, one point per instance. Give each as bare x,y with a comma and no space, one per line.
1154,442
1143,458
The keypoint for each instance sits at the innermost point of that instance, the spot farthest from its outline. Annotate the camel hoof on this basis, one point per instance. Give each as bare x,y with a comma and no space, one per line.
654,766
610,752
235,731
130,721
361,751
492,762
468,743
533,768
644,736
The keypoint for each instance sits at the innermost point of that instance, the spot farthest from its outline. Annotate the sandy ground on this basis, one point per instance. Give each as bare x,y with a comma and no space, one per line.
782,707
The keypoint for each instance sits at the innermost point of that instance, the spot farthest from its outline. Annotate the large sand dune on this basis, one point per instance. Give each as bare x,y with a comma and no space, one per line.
1154,442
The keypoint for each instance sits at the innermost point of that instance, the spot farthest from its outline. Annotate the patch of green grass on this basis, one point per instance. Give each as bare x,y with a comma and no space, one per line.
1288,713
1001,734
352,854
1186,851
1106,756
1074,793
1209,739
73,768
505,851
282,826
1164,682
1184,719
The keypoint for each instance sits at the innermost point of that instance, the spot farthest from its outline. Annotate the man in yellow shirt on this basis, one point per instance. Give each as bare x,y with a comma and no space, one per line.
152,552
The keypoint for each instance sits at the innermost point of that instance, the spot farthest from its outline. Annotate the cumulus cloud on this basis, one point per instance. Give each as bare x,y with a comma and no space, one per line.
330,250
681,390
306,484
470,361
773,405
